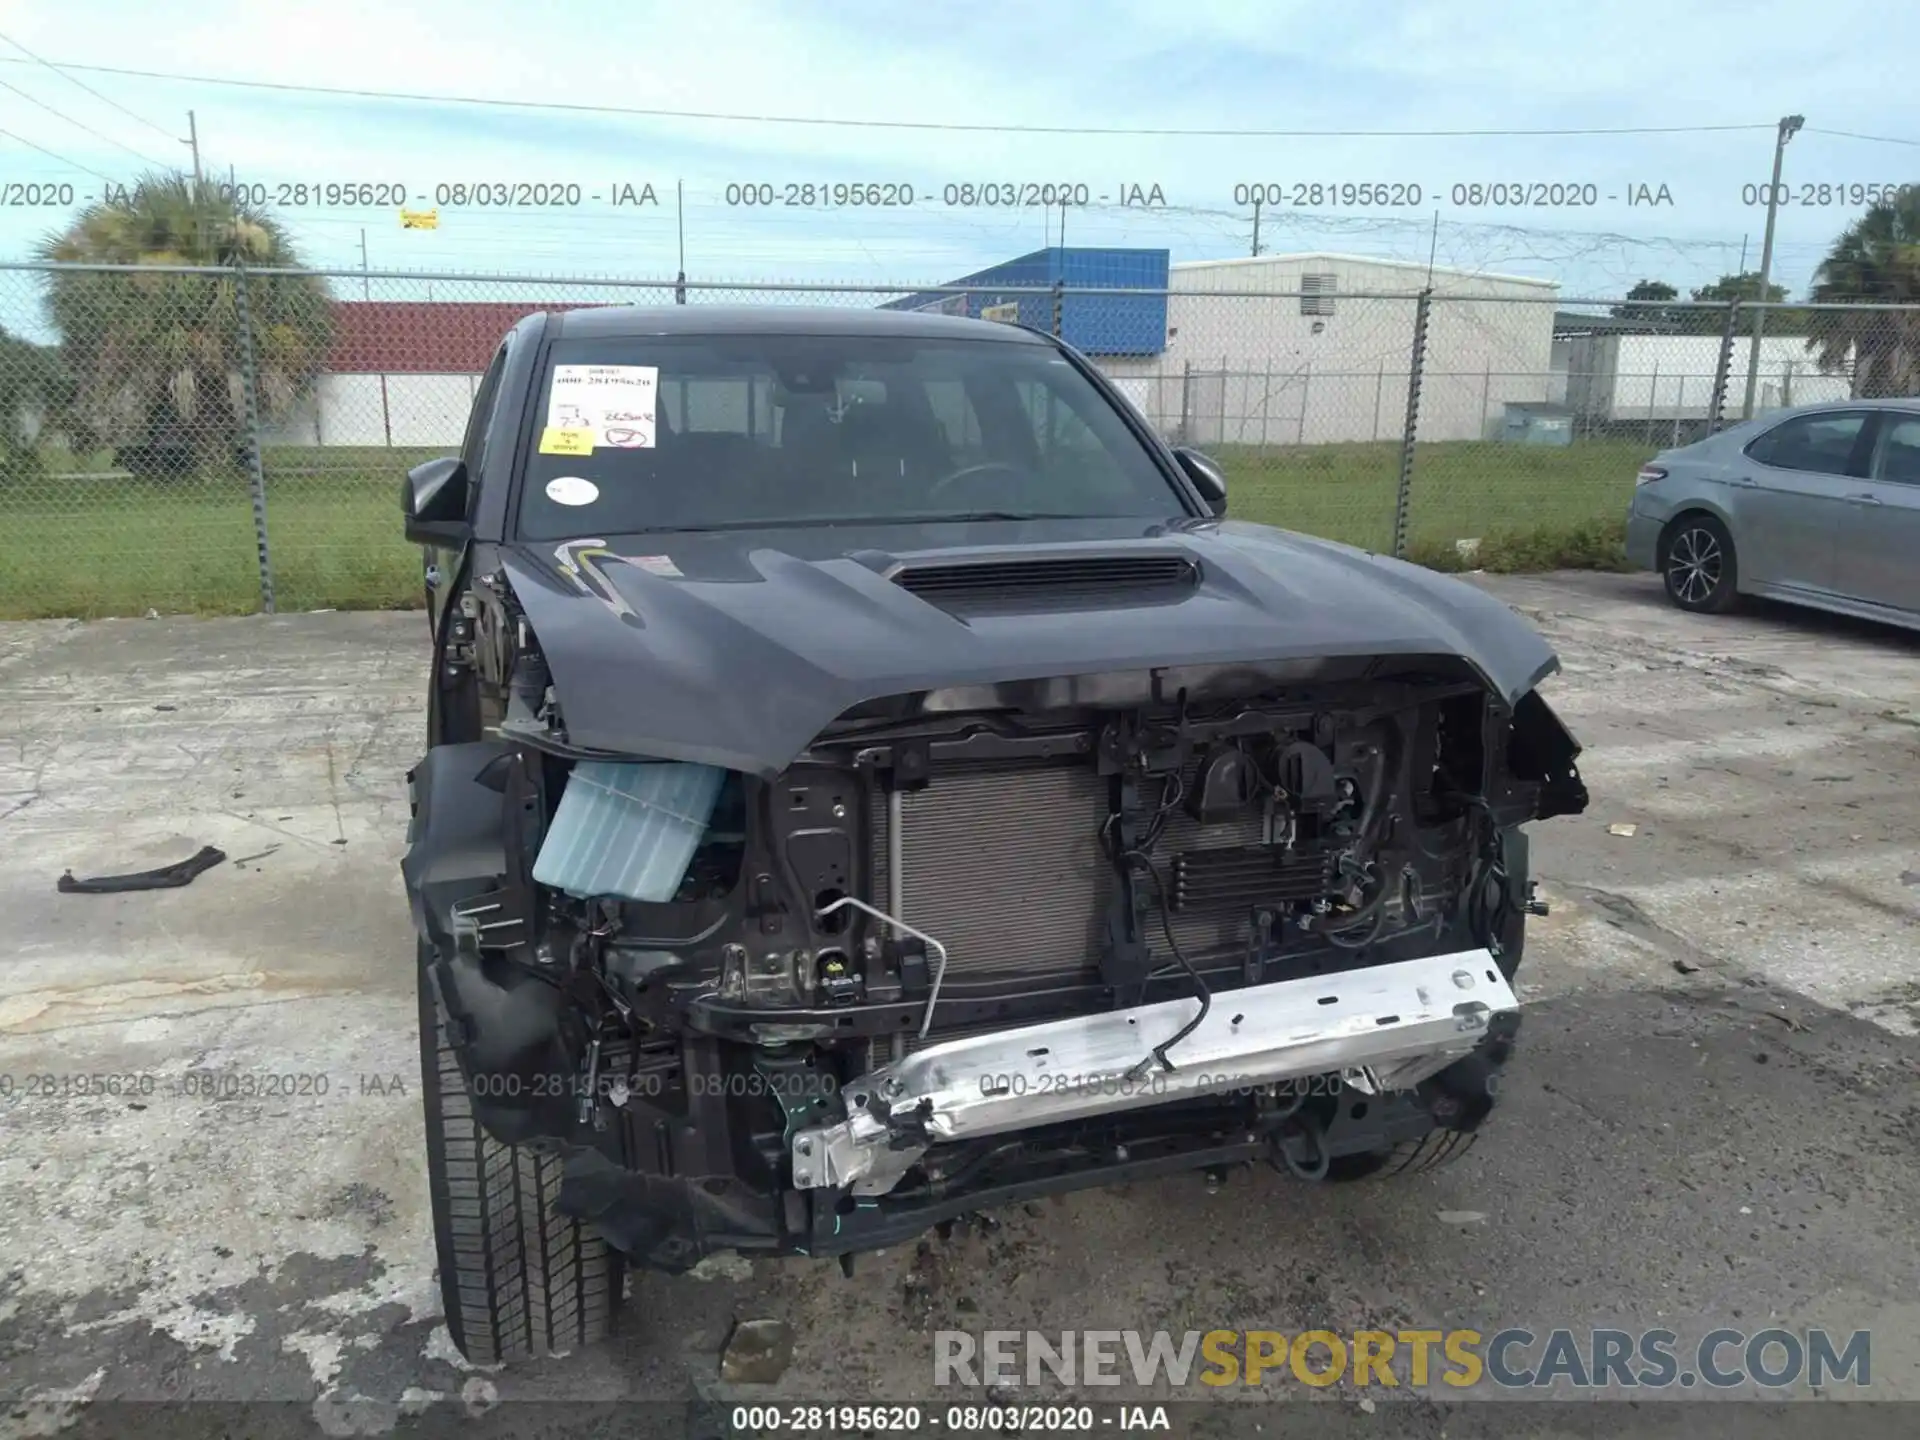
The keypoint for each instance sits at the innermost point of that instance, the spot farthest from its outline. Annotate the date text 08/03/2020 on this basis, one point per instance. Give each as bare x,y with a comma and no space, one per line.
959,1419
479,193
1544,194
198,1083
889,194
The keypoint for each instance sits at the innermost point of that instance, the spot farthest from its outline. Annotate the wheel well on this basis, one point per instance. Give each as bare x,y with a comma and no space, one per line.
1697,511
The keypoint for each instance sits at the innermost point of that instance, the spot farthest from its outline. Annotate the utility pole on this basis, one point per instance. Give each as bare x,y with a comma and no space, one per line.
1788,125
193,142
1256,223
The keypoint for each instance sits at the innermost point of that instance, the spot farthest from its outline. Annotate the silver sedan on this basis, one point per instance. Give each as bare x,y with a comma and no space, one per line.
1818,505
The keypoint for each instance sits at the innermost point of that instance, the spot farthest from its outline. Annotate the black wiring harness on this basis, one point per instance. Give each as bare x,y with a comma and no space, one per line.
1172,791
1487,914
1180,957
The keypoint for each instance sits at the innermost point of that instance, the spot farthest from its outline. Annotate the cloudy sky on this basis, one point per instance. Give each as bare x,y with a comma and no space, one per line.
1066,65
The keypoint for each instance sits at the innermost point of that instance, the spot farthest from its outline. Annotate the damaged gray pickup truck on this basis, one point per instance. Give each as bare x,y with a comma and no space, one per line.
869,781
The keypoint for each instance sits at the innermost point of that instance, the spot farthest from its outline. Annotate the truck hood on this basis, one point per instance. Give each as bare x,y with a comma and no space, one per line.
737,648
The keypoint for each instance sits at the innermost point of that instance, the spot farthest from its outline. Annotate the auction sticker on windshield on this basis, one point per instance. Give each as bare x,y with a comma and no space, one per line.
613,402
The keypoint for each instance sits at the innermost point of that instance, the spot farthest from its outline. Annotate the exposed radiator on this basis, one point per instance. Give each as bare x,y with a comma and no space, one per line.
1004,866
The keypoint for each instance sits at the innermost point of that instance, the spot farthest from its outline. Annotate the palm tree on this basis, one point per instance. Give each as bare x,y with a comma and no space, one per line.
155,359
1876,261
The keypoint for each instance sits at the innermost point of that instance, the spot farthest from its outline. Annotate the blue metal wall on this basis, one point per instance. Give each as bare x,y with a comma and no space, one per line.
1094,324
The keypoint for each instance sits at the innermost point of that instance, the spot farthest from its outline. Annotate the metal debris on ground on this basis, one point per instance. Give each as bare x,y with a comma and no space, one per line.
1620,829
167,877
758,1352
722,1265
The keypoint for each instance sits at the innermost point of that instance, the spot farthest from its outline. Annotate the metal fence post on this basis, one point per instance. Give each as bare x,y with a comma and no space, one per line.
1186,402
256,474
1417,364
1059,304
1716,406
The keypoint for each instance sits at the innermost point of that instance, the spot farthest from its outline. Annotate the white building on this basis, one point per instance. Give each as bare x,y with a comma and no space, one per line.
1313,348
400,373
1614,377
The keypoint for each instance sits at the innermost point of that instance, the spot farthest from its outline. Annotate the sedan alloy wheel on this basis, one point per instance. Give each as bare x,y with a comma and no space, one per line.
1698,564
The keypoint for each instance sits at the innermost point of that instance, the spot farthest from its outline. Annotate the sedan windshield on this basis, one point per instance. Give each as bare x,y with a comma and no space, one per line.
706,432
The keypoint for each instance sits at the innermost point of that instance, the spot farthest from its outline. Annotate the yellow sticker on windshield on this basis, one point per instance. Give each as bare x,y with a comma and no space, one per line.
557,440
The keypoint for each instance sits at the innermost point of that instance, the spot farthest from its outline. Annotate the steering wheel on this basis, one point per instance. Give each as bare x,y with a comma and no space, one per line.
946,482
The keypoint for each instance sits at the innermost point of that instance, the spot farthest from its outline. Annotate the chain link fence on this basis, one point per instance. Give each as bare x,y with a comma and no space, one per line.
219,440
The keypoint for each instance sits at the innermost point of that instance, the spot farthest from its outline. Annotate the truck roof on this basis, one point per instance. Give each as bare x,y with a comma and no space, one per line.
618,320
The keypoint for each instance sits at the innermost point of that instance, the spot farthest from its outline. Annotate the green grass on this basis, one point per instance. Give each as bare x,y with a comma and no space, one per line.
1586,545
1460,491
103,546
93,546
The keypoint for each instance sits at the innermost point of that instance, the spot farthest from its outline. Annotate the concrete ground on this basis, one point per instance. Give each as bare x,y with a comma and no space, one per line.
1715,1119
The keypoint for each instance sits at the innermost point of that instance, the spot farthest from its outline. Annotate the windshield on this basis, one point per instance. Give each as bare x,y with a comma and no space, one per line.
737,431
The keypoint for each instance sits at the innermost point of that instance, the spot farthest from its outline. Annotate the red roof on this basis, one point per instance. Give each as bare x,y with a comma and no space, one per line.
423,337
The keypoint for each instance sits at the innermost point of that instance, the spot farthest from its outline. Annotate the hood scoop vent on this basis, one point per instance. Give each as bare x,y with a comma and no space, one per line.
1050,580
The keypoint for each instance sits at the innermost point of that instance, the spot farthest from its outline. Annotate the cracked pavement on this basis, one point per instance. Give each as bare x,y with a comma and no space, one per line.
1715,1117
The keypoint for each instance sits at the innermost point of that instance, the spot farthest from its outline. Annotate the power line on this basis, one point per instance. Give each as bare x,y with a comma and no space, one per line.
104,99
1133,130
34,100
61,158
1855,135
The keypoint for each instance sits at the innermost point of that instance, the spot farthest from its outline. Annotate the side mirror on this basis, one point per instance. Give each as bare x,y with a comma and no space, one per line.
1207,477
434,501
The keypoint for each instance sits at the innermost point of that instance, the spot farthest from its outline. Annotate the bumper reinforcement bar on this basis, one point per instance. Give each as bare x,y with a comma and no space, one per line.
1398,1024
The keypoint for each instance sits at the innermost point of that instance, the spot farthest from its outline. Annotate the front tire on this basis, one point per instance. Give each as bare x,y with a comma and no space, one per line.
1409,1157
518,1279
1698,565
